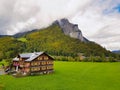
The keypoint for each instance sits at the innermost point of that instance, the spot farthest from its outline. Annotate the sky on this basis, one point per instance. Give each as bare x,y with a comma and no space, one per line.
99,20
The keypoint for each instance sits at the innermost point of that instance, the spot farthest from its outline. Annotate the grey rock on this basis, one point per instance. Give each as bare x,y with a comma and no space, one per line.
71,30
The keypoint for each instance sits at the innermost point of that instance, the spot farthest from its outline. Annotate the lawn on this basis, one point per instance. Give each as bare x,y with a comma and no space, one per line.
69,76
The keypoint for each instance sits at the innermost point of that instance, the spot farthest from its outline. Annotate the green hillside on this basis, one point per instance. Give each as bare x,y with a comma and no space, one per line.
53,41
9,47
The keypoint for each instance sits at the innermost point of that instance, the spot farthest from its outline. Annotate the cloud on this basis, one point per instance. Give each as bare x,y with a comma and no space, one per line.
100,22
108,36
97,19
22,15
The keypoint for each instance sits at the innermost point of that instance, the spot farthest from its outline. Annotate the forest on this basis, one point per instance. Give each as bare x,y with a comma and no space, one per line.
53,41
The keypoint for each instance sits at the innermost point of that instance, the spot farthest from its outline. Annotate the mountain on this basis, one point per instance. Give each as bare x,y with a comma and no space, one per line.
62,38
70,29
21,34
116,51
54,40
4,35
9,47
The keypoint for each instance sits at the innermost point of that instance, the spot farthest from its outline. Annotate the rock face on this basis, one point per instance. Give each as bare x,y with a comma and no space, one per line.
71,29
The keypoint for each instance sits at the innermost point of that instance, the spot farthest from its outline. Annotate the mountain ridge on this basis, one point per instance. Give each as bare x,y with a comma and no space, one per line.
52,40
70,29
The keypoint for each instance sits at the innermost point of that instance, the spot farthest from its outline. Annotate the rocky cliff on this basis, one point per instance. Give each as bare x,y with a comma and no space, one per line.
71,29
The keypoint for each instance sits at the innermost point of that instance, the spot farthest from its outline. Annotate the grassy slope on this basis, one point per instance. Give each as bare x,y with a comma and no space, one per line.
51,40
9,47
54,41
22,39
70,76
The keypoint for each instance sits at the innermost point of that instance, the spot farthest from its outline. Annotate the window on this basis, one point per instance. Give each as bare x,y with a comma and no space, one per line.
38,63
32,64
32,69
39,58
35,63
46,58
43,63
49,62
43,68
35,69
49,67
38,68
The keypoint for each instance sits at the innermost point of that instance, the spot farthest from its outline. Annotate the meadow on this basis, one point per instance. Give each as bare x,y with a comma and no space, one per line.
69,76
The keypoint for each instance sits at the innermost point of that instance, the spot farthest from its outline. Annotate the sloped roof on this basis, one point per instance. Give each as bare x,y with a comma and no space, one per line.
30,56
25,55
34,55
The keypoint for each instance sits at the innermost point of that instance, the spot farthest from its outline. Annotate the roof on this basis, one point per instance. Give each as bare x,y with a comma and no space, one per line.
34,55
25,55
30,56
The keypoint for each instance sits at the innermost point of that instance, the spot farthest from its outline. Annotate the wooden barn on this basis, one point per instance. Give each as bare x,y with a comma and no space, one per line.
33,63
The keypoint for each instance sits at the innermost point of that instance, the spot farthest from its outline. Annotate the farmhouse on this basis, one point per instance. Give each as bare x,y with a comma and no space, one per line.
33,63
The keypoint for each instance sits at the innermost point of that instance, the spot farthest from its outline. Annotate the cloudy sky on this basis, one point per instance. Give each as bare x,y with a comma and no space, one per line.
99,20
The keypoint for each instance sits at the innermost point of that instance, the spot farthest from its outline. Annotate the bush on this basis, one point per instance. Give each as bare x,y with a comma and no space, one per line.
86,60
64,59
97,59
111,59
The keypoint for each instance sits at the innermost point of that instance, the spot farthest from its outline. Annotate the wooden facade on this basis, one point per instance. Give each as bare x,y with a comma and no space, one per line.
36,63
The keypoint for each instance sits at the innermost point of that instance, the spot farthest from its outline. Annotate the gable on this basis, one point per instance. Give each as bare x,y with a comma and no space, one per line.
45,56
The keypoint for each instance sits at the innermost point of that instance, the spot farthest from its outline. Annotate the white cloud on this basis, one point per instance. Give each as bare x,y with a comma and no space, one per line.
97,19
101,23
21,15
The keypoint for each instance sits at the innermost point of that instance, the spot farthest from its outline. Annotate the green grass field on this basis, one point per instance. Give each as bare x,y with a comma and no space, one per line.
69,76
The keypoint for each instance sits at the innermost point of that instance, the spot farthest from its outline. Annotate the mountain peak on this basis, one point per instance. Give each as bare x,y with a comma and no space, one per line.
70,29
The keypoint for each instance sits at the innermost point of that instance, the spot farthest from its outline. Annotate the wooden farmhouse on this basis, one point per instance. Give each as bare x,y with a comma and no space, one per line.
33,63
